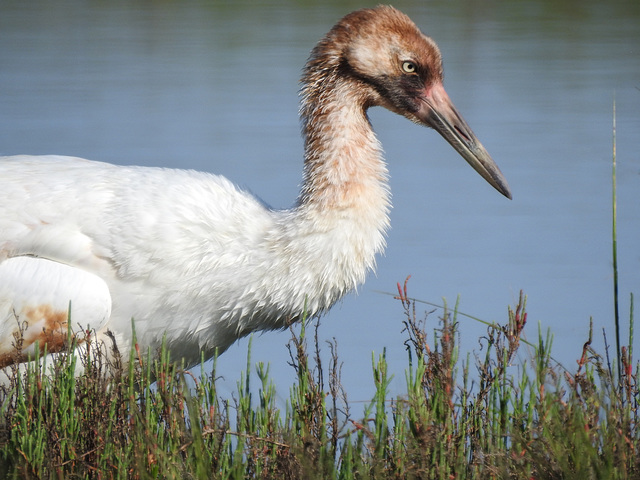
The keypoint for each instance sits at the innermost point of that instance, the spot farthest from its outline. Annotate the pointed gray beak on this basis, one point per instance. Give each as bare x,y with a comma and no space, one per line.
438,112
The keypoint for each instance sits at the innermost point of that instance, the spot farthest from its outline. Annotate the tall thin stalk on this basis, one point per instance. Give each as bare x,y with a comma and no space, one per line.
615,246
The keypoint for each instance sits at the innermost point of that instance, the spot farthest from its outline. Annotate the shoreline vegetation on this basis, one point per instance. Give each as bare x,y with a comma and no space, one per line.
153,419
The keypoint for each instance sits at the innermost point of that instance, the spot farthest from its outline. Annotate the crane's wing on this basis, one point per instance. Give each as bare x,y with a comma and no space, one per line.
38,297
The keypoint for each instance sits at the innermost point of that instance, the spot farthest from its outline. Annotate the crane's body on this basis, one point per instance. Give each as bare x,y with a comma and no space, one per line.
144,234
192,258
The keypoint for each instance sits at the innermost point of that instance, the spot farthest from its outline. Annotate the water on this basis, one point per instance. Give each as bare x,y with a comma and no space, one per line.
214,87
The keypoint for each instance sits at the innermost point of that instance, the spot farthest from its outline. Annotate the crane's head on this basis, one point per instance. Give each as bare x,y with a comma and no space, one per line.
400,69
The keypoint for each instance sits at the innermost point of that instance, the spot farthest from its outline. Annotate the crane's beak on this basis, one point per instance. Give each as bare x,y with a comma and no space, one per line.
438,112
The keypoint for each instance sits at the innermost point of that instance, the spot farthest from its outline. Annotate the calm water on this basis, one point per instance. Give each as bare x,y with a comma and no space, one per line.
214,87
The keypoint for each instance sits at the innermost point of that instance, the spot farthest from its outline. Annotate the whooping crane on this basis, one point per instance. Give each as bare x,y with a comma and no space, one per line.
188,254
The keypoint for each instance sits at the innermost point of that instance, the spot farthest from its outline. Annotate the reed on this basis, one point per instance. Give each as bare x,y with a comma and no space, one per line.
458,418
614,243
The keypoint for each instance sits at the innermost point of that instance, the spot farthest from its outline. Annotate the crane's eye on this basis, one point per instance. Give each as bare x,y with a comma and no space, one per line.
409,67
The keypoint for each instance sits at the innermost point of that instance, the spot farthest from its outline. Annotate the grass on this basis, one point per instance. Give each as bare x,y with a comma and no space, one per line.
456,419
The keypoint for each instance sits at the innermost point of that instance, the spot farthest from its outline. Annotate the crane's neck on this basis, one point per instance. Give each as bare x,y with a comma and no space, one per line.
343,168
342,212
343,165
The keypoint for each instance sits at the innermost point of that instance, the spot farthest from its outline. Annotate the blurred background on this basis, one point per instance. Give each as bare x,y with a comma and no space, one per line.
213,86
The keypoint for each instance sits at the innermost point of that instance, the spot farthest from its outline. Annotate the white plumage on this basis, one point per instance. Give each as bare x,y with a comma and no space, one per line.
189,255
